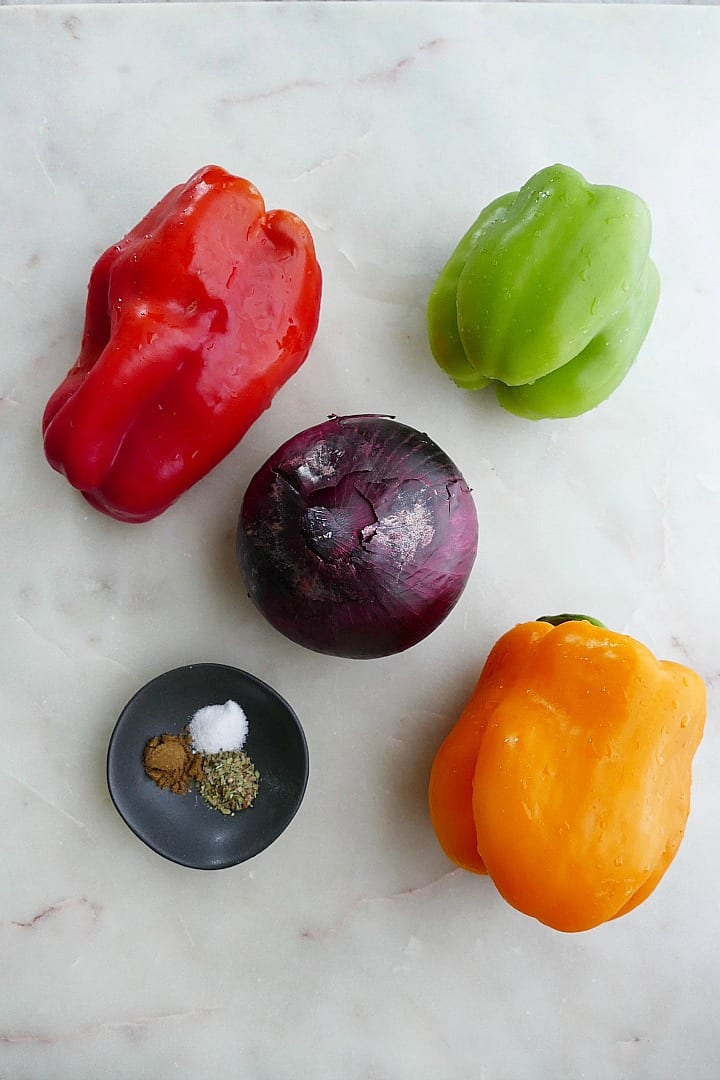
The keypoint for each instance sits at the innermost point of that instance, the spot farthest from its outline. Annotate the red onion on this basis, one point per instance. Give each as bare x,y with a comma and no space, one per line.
357,537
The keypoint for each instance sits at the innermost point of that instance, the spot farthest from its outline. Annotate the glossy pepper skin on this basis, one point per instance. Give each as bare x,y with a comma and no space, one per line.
549,295
193,321
567,777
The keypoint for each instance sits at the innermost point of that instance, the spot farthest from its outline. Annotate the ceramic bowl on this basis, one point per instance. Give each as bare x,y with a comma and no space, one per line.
184,828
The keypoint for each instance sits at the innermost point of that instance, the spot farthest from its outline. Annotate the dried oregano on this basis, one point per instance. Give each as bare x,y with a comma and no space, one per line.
230,781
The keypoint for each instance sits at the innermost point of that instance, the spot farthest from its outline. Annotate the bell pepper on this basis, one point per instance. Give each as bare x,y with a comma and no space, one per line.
193,321
549,295
567,776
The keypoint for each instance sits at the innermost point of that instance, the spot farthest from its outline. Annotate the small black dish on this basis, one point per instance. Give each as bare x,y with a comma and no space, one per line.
183,828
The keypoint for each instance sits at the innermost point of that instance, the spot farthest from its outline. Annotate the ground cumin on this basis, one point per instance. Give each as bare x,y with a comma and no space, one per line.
170,762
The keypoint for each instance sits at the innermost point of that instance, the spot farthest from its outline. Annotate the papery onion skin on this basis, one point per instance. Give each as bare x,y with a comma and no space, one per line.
357,537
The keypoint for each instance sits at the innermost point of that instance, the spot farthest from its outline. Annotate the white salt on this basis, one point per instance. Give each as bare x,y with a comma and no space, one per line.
218,727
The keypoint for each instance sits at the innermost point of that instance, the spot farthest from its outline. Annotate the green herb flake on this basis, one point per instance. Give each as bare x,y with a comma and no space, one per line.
230,781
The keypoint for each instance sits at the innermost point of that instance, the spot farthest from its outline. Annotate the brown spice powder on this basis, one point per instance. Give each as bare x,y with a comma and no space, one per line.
170,762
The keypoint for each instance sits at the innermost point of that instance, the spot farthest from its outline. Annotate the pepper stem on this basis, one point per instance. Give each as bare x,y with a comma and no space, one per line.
558,620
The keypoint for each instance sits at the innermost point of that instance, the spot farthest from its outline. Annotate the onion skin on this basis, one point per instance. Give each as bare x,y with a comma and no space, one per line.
357,537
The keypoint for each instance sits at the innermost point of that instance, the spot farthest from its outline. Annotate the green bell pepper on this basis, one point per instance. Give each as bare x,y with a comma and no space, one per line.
549,295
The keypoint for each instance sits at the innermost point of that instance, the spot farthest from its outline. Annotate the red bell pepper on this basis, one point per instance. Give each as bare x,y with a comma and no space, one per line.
193,321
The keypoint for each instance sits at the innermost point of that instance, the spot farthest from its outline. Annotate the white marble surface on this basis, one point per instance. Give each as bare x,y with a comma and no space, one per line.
350,950
21,3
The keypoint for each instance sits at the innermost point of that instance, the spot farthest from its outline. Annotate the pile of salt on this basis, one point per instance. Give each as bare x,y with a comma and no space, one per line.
218,727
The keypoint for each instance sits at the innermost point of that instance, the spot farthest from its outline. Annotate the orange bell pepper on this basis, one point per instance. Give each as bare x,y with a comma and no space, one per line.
567,777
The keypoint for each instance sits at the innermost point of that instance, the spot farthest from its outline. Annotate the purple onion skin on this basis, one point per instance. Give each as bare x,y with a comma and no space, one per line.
357,537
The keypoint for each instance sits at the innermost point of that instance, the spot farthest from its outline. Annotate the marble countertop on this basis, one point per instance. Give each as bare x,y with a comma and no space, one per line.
21,3
350,949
